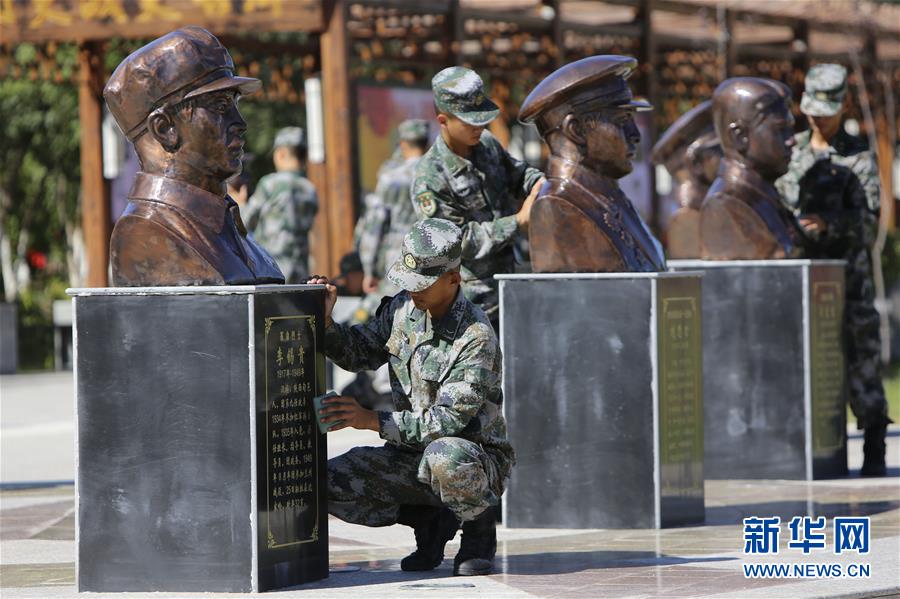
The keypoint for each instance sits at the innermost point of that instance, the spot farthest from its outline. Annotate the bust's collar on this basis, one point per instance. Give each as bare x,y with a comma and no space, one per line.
207,208
562,168
735,174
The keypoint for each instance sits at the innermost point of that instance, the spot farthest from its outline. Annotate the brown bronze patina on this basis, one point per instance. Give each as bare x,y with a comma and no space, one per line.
691,153
176,100
582,221
742,217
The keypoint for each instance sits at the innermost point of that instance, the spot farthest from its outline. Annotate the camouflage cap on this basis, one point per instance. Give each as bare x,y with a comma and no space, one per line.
413,130
293,137
825,88
431,248
460,91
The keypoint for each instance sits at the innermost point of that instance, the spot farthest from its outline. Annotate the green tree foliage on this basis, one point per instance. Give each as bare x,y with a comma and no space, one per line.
39,180
39,190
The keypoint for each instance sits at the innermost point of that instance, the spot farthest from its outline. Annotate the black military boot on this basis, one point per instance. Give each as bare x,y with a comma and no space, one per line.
433,527
873,450
478,546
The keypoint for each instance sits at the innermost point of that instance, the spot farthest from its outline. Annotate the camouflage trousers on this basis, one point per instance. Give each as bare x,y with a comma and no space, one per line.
367,485
863,343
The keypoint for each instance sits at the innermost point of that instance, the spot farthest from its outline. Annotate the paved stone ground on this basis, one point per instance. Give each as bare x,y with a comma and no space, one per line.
37,531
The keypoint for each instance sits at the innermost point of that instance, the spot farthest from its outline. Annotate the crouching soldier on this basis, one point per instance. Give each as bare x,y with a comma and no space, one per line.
447,457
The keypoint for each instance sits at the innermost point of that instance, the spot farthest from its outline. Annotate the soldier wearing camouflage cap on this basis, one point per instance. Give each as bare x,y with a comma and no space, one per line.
446,457
468,178
281,211
832,186
176,100
389,214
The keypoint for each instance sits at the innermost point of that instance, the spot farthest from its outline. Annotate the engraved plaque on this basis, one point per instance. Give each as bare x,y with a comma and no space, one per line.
291,452
827,366
680,396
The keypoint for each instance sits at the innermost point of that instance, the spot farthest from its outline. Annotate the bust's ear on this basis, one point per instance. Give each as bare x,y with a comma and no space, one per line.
162,127
572,128
739,136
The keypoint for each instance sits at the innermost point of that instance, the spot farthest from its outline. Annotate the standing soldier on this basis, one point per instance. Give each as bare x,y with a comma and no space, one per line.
447,456
832,185
467,177
389,215
281,211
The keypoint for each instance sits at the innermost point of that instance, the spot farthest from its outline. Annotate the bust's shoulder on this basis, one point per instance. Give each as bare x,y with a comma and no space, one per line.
151,249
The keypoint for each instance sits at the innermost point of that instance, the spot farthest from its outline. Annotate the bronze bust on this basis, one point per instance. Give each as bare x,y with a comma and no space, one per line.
742,217
582,221
176,100
691,153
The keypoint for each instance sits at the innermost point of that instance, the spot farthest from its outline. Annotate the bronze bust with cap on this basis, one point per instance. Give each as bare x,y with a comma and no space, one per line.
690,151
582,221
742,217
176,101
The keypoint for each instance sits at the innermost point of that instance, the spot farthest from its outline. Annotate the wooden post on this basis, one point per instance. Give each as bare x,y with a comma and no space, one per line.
556,32
95,217
727,45
801,60
648,64
457,33
340,147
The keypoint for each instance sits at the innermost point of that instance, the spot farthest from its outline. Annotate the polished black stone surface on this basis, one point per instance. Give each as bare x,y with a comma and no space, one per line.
292,506
167,394
773,369
582,403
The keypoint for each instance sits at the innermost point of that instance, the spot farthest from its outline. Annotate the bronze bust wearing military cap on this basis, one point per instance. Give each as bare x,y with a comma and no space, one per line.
582,221
690,151
742,217
176,100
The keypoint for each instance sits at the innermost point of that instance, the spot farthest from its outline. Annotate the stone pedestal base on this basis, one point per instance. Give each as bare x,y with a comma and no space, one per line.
199,465
773,368
603,398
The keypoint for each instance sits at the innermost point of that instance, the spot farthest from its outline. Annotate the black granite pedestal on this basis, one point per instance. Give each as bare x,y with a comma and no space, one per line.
603,399
199,463
773,368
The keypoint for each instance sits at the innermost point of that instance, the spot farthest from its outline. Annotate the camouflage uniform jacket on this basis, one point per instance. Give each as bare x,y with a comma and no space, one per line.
481,195
445,374
280,214
388,218
840,185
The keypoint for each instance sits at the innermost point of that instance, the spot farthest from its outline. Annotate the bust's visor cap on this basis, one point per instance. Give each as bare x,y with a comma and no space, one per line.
592,82
183,64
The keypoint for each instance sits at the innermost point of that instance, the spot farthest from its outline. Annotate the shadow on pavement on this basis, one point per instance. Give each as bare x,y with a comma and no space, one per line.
734,514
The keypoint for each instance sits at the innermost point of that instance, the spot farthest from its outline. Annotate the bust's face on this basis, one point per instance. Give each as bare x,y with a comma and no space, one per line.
212,135
611,141
770,141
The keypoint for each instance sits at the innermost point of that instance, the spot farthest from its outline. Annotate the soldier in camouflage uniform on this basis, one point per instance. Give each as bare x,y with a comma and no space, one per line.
281,211
832,185
467,177
447,456
389,216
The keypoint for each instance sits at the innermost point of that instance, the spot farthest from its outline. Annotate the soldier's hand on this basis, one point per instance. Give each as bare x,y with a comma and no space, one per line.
813,224
350,414
330,295
239,194
523,216
370,283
